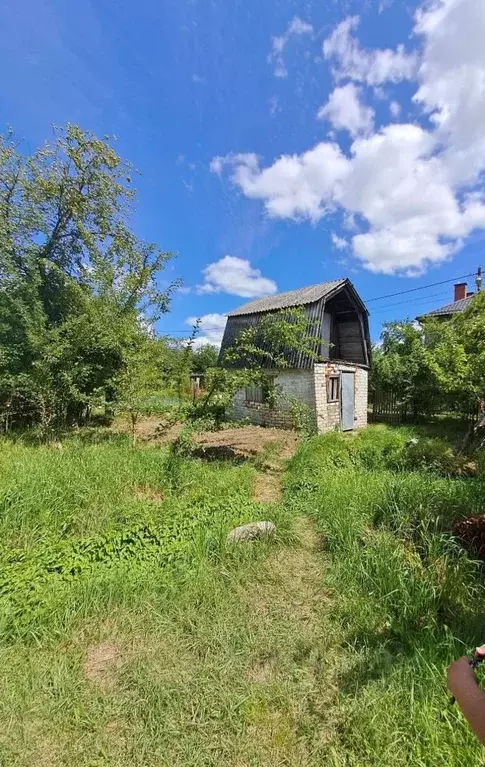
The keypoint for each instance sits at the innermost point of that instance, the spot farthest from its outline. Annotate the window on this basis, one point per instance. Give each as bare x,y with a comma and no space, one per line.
264,394
254,394
333,389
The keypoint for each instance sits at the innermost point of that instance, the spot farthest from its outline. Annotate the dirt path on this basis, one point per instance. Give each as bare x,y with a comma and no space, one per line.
296,653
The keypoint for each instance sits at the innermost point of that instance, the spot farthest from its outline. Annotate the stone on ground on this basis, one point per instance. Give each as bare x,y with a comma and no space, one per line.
251,532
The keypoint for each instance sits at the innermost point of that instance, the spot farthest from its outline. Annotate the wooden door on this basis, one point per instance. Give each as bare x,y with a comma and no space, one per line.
347,401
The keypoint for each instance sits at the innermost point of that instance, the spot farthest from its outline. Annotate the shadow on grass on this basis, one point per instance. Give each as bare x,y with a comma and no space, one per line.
219,453
381,652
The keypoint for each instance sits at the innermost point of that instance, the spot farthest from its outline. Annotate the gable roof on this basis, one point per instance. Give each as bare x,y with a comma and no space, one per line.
454,308
298,297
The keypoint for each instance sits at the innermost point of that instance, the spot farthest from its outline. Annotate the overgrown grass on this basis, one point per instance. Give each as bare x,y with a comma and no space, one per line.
211,666
407,599
333,652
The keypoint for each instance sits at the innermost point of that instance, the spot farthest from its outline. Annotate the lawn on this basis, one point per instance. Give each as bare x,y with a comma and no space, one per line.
131,634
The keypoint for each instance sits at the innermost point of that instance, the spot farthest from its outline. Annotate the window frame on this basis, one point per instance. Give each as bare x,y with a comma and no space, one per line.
259,400
332,381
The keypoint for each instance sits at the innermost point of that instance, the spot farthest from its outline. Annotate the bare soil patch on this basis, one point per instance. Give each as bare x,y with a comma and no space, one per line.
267,488
100,659
147,493
250,441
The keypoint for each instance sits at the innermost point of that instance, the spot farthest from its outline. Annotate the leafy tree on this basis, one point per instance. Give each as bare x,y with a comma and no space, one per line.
204,358
74,279
254,356
139,380
401,364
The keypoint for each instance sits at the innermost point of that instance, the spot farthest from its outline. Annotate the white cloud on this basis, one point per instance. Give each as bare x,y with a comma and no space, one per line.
296,27
395,109
338,242
295,186
370,66
345,112
414,193
452,81
216,165
235,276
211,329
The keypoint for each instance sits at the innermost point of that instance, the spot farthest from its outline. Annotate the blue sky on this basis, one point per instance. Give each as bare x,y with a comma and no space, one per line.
279,144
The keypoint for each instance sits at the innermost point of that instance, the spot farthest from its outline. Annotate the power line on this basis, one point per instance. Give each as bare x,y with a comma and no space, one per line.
368,300
411,301
423,287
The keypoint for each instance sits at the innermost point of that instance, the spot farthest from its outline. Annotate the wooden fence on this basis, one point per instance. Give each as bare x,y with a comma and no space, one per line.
386,406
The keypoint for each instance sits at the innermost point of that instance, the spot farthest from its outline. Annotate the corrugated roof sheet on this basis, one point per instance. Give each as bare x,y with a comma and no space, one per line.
454,308
298,297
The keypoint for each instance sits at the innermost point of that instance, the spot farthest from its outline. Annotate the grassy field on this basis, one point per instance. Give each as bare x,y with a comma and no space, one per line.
131,634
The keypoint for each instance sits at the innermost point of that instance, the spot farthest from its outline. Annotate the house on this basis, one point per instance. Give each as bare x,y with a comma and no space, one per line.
335,388
462,299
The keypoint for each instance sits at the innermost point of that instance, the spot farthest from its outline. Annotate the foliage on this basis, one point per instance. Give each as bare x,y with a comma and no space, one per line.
140,378
456,354
252,360
439,366
272,340
74,280
407,598
303,417
204,358
401,364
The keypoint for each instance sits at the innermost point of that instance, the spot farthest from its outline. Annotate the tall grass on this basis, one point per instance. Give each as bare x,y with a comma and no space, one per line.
87,526
407,599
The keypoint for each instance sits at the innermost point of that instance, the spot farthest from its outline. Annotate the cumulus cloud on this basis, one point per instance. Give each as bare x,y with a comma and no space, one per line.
296,27
452,82
211,329
415,192
395,109
345,111
338,242
236,276
368,66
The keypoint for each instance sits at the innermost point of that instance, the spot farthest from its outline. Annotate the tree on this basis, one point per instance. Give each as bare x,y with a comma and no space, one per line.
204,358
401,364
256,353
74,279
456,357
139,379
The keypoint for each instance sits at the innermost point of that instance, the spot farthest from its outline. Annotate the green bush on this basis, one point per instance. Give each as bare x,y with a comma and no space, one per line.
406,598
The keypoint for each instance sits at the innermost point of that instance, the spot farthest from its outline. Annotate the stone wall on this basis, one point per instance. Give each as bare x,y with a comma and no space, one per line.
296,384
310,387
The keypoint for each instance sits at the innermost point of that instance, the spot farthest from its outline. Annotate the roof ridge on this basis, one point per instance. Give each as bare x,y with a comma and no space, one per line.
305,295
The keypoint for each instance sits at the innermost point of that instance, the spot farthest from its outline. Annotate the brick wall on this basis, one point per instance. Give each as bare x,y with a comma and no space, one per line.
310,387
328,413
361,397
297,384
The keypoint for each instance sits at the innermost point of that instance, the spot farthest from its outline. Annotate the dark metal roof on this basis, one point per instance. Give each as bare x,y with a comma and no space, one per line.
455,308
298,297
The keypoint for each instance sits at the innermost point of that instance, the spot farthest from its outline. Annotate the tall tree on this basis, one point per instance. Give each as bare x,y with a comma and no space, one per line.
74,278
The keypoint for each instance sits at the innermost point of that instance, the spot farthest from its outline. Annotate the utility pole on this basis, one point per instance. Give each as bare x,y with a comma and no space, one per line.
478,280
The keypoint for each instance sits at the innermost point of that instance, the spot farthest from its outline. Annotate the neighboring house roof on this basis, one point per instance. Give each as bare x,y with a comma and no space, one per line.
298,297
455,308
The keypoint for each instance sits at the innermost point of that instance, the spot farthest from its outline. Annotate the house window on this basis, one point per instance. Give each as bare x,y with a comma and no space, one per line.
255,394
333,389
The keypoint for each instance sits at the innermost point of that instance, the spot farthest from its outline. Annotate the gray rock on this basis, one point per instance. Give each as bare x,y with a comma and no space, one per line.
252,532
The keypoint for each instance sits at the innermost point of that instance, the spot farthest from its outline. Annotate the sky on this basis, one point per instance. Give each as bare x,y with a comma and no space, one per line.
278,144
